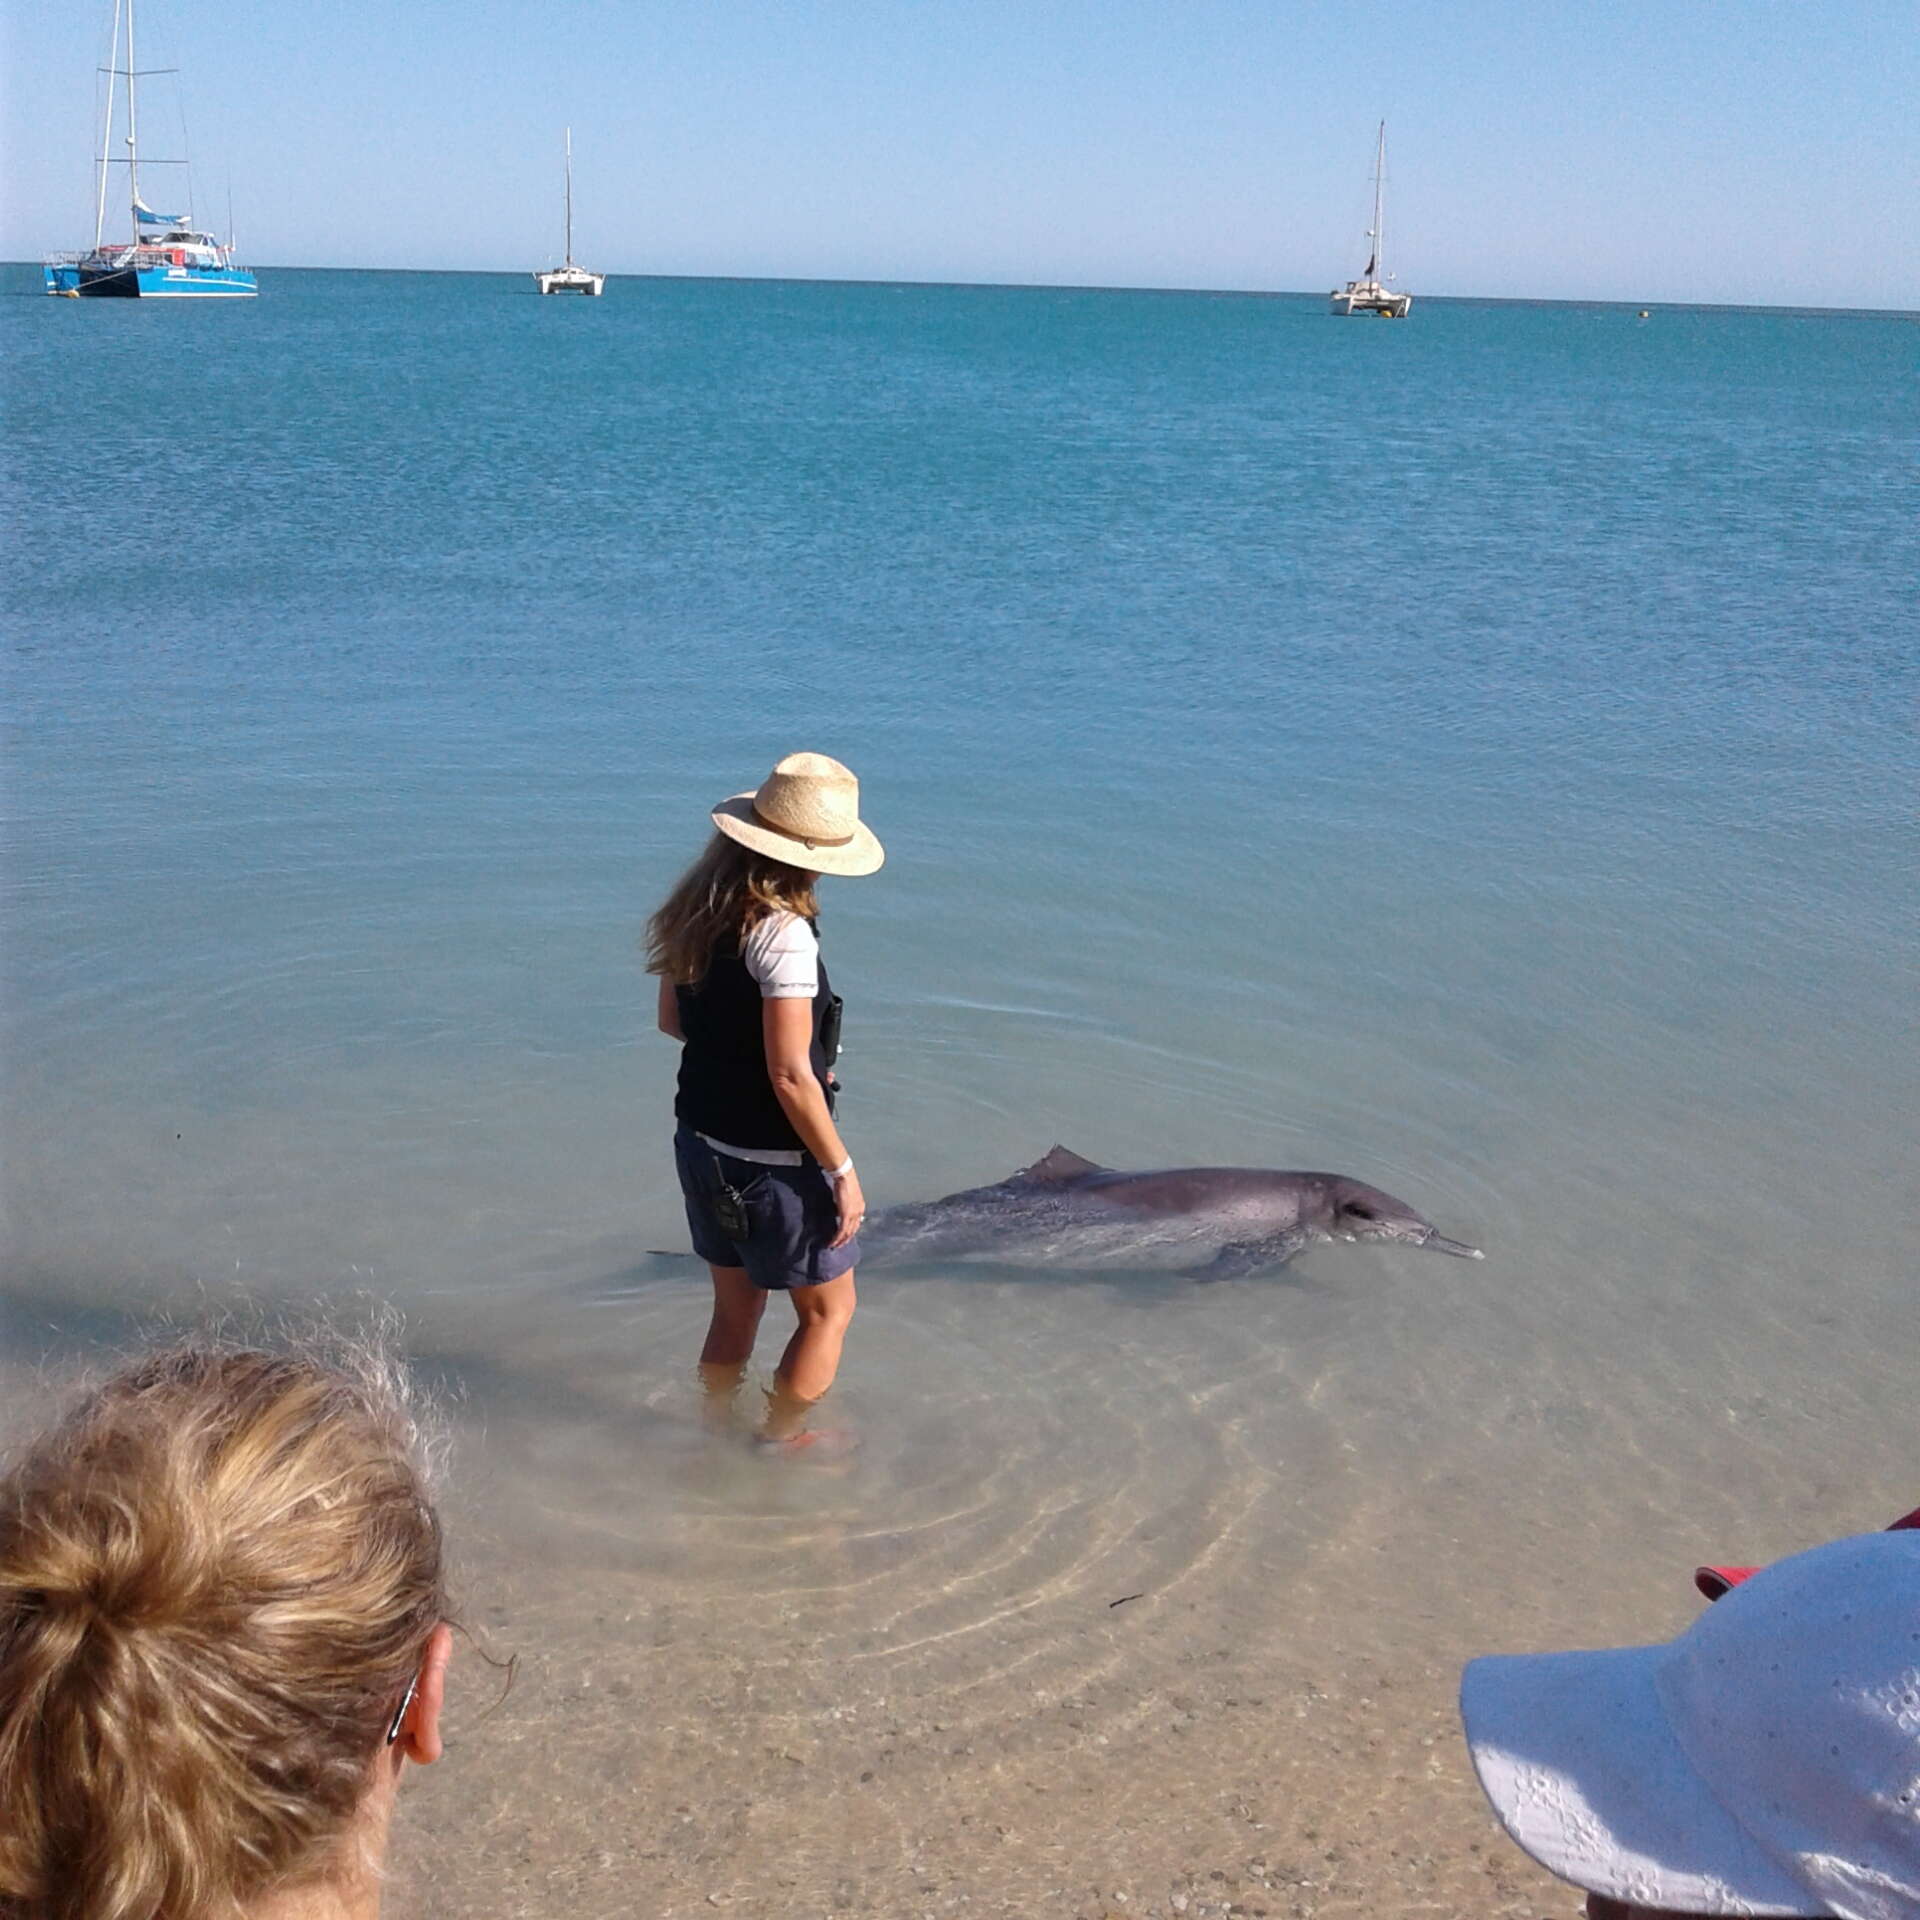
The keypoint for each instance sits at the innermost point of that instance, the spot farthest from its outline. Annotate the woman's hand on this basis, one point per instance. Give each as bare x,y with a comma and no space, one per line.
852,1204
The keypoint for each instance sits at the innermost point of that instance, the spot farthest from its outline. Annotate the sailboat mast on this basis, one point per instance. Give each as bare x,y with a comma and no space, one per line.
569,197
106,133
133,130
1379,268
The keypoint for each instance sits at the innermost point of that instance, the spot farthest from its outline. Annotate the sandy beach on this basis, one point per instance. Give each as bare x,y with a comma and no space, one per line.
1178,1635
1173,1650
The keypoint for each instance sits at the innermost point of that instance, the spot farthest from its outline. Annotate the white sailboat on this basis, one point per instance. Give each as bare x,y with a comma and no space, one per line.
1370,293
570,279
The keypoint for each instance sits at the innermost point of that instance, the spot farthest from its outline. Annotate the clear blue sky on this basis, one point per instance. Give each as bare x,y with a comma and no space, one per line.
1763,150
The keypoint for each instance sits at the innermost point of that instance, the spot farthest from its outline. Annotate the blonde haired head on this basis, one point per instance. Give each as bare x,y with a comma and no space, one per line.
218,1577
724,894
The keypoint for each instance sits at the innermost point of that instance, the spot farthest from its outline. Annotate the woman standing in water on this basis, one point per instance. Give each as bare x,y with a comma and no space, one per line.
773,1202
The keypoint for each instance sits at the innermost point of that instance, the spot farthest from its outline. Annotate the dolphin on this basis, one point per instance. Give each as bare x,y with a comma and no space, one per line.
1213,1223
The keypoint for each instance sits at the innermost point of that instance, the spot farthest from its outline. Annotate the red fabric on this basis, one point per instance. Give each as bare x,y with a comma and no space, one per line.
1716,1581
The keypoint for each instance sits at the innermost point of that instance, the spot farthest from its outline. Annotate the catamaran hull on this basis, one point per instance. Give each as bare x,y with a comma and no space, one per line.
1393,306
159,283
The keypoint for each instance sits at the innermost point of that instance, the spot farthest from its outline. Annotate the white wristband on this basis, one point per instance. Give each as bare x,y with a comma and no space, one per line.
841,1171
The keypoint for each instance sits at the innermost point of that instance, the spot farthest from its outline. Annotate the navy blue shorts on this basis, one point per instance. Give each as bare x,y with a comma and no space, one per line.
790,1215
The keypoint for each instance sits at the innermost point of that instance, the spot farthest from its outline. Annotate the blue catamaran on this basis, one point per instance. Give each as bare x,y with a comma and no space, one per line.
168,258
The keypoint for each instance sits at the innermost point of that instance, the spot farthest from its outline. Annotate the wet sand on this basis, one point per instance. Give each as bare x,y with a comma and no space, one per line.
1136,1598
1089,1653
1179,1635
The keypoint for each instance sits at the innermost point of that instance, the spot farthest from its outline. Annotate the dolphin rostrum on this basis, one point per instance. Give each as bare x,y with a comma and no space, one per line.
1215,1223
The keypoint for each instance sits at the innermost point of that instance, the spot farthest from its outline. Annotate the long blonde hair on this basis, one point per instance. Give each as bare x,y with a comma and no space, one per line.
217,1577
728,890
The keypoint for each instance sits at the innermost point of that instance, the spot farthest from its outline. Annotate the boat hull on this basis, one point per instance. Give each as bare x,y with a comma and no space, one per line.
168,283
1382,306
86,281
578,280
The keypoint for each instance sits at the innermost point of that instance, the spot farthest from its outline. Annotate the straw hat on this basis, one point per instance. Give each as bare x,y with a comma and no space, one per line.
807,814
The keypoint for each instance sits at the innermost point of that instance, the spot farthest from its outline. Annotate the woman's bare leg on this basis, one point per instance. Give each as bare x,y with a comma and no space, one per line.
737,1307
812,1357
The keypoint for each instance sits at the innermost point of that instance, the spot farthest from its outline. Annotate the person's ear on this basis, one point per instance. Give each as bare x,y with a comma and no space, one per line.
420,1733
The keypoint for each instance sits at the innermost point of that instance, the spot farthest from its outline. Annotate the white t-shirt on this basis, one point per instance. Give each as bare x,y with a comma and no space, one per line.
783,954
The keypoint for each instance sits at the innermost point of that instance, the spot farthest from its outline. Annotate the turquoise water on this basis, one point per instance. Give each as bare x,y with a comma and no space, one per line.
1477,755
1290,738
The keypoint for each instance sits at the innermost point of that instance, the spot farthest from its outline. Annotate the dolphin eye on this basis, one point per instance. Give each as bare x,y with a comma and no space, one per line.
1361,1213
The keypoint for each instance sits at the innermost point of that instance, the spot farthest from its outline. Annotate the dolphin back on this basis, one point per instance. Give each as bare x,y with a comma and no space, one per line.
1058,1167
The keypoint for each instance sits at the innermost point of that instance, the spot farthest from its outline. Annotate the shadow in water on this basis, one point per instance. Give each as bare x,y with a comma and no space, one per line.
1128,1287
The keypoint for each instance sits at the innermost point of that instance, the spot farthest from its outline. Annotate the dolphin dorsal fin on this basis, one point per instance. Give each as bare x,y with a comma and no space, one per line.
1055,1168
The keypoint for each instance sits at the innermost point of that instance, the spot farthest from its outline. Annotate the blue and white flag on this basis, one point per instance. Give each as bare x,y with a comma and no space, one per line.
148,218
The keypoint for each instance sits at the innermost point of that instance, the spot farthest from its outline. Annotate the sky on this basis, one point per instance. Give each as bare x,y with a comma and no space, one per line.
1749,151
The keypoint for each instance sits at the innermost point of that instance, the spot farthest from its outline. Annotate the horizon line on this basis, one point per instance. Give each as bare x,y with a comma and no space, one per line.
1090,286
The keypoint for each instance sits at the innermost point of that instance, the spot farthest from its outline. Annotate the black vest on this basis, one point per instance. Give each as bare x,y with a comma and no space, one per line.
725,1090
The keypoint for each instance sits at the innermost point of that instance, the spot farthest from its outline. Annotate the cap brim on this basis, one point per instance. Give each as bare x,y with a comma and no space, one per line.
1582,1767
738,821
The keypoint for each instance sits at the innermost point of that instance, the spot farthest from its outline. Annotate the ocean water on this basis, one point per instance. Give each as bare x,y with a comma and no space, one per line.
1477,755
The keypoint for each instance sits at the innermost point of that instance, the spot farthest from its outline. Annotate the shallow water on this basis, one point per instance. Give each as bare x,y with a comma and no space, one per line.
1475,755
